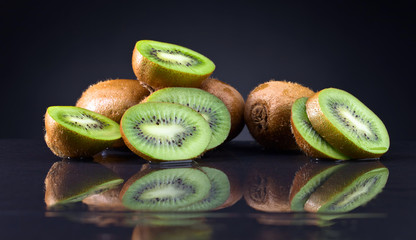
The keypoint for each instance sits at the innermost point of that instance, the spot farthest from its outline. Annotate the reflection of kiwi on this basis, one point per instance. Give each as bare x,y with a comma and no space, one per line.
166,189
105,201
77,132
160,65
165,131
347,124
348,188
69,181
208,105
267,113
192,232
232,99
124,163
308,140
218,194
112,98
309,177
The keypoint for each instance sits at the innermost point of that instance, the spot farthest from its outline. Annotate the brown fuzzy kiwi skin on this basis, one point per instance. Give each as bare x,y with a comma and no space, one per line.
267,113
331,134
157,76
66,143
112,98
232,100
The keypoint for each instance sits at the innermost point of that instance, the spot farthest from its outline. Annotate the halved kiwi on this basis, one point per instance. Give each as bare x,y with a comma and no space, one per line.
309,177
349,187
160,131
160,65
165,189
218,194
112,98
232,100
77,132
308,140
212,109
347,124
71,181
267,113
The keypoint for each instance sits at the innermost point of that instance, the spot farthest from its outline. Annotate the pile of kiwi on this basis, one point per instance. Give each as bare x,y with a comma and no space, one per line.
173,111
329,124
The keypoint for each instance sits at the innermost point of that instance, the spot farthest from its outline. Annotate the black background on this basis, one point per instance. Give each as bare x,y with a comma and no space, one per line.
51,52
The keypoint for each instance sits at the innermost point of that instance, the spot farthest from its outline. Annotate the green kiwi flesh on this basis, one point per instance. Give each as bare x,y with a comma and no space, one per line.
348,188
69,181
85,122
212,109
347,124
307,138
160,131
175,57
307,180
167,189
218,194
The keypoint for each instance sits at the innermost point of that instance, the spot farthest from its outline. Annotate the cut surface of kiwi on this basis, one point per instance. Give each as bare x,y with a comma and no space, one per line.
166,189
348,188
308,140
70,181
347,124
218,194
160,131
209,106
77,132
161,64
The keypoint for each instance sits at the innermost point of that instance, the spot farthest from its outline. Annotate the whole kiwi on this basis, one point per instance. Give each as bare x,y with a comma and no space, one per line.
267,113
112,98
232,100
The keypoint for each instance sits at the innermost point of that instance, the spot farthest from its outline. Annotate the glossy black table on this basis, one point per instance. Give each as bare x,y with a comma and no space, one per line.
25,215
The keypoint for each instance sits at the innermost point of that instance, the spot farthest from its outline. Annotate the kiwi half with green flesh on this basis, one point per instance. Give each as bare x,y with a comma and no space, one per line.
209,106
347,124
218,194
77,132
309,177
267,113
160,65
112,98
159,131
348,188
308,140
165,190
70,181
232,100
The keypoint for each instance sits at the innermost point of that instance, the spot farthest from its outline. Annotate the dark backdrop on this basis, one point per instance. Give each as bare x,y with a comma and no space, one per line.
51,52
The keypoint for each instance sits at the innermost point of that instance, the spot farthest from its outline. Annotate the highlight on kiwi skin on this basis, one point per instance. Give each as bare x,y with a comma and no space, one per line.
209,106
70,181
76,132
308,140
347,124
160,65
267,113
232,100
158,131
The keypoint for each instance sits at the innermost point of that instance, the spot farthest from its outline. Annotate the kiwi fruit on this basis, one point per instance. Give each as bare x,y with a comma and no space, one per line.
160,65
70,181
267,113
308,140
77,132
347,124
348,188
309,177
165,189
232,100
112,98
218,194
159,131
209,106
